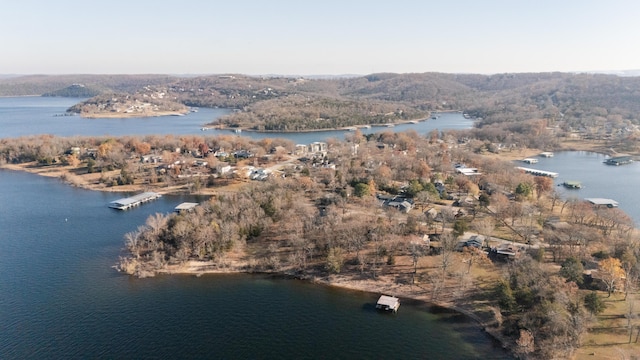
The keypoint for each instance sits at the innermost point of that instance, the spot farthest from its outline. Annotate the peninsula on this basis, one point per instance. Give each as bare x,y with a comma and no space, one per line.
388,212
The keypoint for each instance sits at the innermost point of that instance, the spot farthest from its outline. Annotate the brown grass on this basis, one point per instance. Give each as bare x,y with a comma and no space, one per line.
608,337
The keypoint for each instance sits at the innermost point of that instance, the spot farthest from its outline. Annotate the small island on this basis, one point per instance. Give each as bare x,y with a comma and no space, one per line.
126,106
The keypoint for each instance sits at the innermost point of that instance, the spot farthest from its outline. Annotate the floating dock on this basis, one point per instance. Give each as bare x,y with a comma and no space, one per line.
572,184
546,154
185,207
127,203
537,172
619,160
603,202
530,160
388,303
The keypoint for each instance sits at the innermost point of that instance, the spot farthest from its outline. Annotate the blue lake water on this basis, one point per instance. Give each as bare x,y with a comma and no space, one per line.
60,298
22,116
598,179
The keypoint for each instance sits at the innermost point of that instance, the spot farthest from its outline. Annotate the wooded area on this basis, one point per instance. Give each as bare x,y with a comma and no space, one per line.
545,270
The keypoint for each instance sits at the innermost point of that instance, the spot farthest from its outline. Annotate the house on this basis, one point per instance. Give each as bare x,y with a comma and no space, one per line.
507,251
431,213
476,241
468,171
300,149
318,146
242,154
154,159
396,201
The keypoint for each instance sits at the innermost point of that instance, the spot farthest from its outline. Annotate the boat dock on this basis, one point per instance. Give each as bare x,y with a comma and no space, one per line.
546,154
619,160
185,207
530,160
127,203
603,202
388,303
537,172
572,184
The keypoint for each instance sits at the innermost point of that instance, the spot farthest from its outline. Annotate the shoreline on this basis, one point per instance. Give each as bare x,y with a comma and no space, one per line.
343,128
131,115
378,286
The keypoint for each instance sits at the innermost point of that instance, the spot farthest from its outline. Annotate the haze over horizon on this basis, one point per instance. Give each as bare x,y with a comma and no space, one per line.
329,38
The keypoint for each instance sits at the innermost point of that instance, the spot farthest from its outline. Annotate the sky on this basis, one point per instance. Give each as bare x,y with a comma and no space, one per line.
328,37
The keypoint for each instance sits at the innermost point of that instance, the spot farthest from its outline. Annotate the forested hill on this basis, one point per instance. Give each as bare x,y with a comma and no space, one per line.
574,101
43,84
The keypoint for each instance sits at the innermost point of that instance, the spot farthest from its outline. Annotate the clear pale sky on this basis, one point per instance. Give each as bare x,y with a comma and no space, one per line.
301,37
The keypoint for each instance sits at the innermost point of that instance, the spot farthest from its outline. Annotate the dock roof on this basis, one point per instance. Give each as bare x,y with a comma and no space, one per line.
602,201
390,301
185,206
136,198
538,172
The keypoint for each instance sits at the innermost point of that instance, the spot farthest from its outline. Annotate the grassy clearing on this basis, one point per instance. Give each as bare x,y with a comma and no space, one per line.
608,337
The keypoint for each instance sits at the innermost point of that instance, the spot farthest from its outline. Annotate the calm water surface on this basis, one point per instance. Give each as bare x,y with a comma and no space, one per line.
60,298
598,179
22,116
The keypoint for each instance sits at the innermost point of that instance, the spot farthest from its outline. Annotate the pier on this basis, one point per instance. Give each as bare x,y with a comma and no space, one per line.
537,172
388,303
127,203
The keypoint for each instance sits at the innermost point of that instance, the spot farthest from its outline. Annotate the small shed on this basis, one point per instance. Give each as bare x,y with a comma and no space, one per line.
388,303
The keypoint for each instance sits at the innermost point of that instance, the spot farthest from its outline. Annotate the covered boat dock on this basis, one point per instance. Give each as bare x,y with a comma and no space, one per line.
185,207
537,172
127,203
388,303
603,202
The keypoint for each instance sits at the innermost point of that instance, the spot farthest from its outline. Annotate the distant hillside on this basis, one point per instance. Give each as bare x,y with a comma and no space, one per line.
599,105
43,84
75,90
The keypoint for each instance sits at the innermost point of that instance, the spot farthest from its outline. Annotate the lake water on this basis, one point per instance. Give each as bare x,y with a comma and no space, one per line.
22,116
60,298
598,179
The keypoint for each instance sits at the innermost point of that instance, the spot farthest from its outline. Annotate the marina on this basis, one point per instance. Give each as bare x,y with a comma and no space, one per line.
128,203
